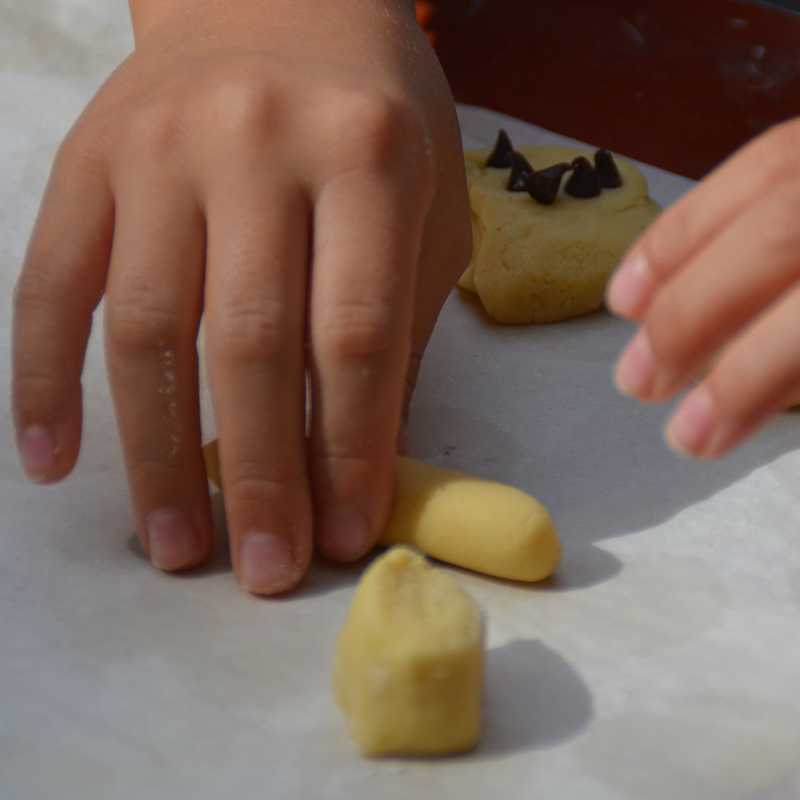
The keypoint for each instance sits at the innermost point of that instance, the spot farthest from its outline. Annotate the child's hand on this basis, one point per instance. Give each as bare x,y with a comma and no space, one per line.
716,280
292,169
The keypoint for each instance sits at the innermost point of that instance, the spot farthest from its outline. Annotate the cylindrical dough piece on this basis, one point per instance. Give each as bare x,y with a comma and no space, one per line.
472,522
211,457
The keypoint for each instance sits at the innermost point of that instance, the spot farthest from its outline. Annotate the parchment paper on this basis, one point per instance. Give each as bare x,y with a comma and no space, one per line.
662,662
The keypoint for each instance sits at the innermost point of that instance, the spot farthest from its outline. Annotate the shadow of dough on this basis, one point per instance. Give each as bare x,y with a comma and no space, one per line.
536,408
581,567
534,699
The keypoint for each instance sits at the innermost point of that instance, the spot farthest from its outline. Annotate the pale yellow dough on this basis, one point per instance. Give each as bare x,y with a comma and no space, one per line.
408,665
535,263
471,522
211,457
475,523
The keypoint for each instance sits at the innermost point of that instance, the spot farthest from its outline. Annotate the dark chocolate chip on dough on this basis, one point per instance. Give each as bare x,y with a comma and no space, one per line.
543,185
606,169
584,181
520,170
500,157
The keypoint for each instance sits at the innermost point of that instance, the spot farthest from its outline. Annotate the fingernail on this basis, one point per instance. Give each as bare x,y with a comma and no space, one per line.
693,424
630,287
267,565
37,452
635,372
345,535
171,539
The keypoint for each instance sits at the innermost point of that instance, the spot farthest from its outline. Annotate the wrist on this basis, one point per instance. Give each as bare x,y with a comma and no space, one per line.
147,16
150,16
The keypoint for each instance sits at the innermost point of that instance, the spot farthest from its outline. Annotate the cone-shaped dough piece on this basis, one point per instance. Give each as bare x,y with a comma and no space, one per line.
408,666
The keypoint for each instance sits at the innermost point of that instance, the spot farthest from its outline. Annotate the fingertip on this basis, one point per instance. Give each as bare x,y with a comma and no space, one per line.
174,541
267,564
38,453
630,287
691,429
636,370
48,454
344,535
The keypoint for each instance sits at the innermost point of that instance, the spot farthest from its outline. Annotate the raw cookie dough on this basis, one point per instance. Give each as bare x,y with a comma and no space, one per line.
544,263
475,523
211,457
471,522
408,665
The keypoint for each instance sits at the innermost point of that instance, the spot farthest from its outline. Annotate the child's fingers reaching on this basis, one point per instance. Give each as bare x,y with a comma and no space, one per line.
757,376
677,236
725,285
716,280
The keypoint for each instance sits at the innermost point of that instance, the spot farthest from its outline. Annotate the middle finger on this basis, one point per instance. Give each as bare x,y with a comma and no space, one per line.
255,323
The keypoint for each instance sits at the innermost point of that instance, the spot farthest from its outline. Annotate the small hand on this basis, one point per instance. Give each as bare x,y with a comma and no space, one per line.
300,186
715,283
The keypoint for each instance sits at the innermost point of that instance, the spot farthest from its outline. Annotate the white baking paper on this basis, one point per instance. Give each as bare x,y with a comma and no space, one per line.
661,662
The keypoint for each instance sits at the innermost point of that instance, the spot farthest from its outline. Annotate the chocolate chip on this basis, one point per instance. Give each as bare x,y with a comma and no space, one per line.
520,170
584,181
606,169
543,185
501,155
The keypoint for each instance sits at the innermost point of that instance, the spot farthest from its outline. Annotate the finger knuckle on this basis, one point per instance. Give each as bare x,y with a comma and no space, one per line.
139,322
261,483
378,131
84,153
245,108
156,132
251,332
37,381
374,114
356,463
39,287
359,331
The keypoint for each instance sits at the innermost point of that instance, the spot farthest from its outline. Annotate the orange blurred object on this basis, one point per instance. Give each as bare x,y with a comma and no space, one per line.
425,11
